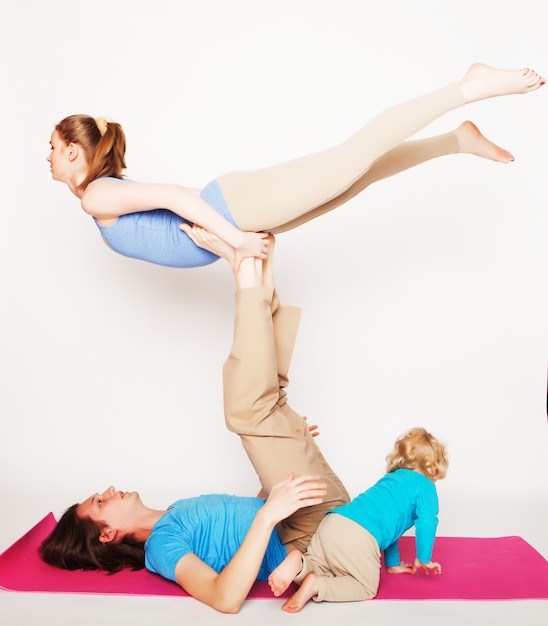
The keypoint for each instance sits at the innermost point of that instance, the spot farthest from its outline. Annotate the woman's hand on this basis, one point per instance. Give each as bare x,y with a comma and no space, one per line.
253,242
427,567
402,568
291,495
252,245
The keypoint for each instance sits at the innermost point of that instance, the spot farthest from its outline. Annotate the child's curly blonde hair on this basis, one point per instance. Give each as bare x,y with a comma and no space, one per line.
419,450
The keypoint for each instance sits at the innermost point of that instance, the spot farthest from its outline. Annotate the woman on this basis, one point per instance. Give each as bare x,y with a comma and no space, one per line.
216,546
144,220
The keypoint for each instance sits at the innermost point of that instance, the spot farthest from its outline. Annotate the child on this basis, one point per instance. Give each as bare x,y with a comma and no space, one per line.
342,562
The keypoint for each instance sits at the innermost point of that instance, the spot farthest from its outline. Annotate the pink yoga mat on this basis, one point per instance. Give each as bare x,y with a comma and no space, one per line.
502,568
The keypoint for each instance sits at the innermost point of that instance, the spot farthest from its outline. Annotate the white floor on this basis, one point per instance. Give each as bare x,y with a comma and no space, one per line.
466,518
18,610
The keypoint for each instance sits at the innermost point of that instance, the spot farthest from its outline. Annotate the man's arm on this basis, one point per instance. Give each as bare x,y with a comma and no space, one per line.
226,591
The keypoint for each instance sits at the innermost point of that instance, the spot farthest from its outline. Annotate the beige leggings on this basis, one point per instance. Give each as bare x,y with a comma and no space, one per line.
281,197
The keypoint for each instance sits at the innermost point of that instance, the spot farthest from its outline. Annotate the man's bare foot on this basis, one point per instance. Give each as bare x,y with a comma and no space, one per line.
206,240
307,590
481,82
250,273
471,141
280,579
268,270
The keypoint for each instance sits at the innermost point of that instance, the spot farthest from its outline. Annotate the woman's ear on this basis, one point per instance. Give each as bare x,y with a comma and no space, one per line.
72,151
108,535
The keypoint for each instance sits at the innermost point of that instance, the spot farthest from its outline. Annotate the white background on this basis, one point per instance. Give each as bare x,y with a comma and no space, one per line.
424,299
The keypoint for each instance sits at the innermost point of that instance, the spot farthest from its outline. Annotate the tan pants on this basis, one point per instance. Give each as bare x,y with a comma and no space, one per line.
346,559
274,436
281,197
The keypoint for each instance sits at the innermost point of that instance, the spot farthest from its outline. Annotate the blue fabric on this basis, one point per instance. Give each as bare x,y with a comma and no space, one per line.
398,501
154,236
211,526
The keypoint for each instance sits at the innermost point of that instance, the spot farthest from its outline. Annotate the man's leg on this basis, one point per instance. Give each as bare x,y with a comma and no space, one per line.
274,436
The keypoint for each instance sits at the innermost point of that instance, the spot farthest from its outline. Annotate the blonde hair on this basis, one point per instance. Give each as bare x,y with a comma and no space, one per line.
419,450
103,143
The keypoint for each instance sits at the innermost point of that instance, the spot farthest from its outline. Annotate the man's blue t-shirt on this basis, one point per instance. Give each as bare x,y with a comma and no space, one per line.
211,526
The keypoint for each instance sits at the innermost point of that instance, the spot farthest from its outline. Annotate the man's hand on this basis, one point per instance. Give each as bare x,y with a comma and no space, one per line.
293,494
312,428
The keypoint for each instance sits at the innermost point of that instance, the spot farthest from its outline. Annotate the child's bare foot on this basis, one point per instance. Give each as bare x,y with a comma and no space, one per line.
206,240
307,590
482,81
268,270
280,579
471,141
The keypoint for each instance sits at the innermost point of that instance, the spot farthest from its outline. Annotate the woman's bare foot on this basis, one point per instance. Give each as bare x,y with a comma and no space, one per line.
307,590
471,141
481,82
280,579
206,240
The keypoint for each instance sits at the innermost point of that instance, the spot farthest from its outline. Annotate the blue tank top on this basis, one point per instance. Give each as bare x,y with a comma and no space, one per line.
155,236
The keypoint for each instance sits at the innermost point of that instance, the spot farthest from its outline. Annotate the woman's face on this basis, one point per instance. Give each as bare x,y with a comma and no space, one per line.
58,157
118,510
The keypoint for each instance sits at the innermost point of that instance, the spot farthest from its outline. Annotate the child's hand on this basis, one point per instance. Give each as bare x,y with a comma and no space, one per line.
402,568
427,567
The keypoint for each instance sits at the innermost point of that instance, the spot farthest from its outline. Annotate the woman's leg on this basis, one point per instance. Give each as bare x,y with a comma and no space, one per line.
272,198
466,139
402,157
269,198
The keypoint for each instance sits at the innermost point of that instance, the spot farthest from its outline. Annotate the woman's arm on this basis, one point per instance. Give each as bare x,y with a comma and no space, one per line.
228,590
104,199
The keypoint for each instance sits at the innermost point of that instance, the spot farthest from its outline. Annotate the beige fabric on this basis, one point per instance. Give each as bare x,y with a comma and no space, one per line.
346,559
274,436
281,197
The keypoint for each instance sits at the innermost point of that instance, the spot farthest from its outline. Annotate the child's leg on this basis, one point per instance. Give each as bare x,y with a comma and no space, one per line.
286,572
307,590
342,564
